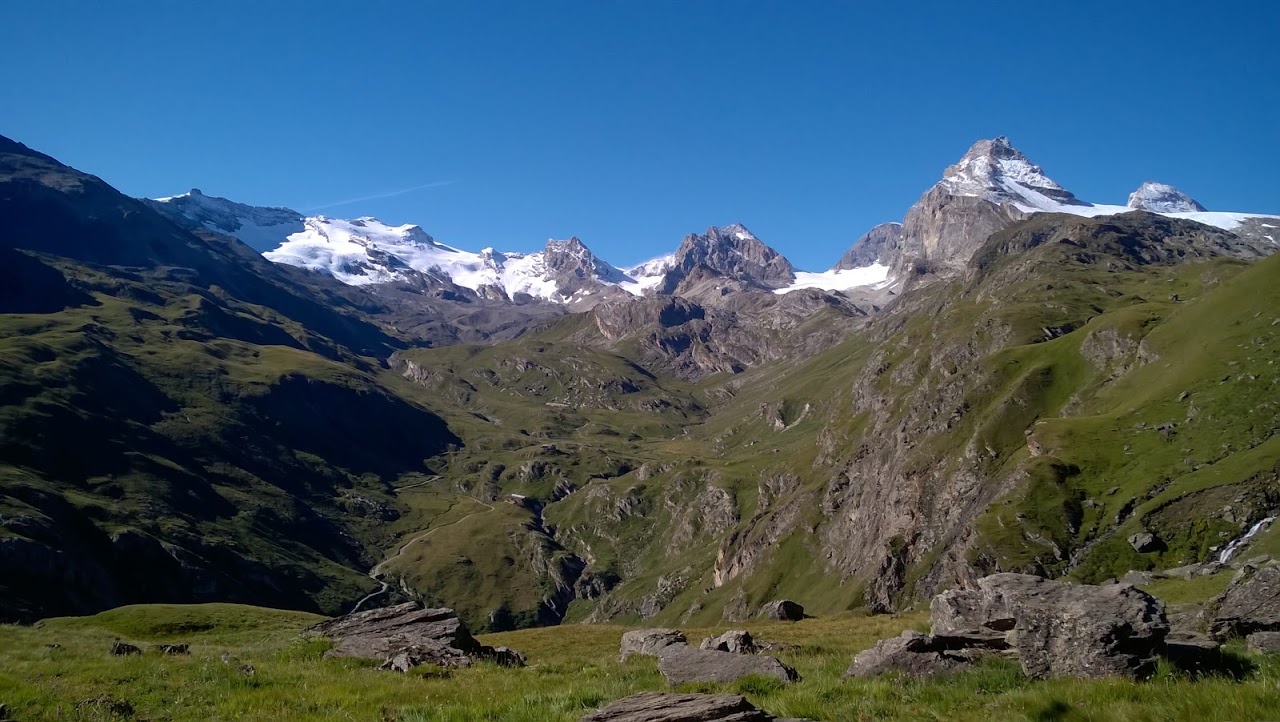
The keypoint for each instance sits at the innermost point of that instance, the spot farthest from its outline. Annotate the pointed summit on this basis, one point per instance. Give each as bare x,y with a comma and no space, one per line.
1163,198
995,170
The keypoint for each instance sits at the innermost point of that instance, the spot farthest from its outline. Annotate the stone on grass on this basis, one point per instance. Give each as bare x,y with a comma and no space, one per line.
1144,542
1058,629
910,653
648,642
1264,642
664,707
737,641
681,664
782,610
1250,604
406,635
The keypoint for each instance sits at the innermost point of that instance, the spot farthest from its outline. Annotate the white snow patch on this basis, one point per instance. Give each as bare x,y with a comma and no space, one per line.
875,275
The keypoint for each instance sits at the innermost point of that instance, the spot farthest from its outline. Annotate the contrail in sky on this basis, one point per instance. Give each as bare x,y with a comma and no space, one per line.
388,194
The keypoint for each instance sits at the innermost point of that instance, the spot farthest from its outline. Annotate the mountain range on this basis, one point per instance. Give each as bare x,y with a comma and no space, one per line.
206,401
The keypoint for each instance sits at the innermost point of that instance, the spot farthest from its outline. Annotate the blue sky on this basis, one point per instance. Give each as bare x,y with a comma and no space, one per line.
631,124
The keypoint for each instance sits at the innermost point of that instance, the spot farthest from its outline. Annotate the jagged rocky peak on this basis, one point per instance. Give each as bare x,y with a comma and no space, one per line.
1163,198
261,228
878,245
995,170
729,251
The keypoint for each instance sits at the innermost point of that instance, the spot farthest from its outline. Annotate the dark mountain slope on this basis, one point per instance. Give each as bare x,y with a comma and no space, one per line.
179,419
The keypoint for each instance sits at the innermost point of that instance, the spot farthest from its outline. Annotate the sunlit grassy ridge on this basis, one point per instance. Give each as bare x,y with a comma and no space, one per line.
573,669
1069,357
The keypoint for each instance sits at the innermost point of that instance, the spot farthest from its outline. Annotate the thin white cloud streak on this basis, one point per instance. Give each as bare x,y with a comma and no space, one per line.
388,194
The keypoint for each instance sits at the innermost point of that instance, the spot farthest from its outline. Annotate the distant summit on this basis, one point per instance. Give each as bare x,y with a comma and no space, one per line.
1163,198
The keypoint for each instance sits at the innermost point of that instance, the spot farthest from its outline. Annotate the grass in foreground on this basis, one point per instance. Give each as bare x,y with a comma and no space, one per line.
573,669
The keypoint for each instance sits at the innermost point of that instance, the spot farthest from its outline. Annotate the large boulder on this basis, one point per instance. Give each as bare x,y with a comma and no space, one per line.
737,641
911,653
406,635
1250,604
1264,642
1058,629
1144,542
648,642
663,707
782,610
681,664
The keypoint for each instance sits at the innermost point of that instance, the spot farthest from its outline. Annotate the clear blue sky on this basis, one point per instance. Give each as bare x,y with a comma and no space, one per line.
631,124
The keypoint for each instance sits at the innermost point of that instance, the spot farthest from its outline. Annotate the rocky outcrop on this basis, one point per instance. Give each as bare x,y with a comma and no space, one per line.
648,642
663,707
406,635
881,245
734,641
1058,629
1264,642
782,610
1144,542
680,664
1250,604
913,654
732,253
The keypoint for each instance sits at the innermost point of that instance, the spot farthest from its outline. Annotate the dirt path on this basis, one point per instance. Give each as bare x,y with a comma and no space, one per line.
376,572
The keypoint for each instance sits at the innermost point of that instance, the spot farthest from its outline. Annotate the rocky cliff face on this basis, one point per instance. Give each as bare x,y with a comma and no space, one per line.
730,253
881,244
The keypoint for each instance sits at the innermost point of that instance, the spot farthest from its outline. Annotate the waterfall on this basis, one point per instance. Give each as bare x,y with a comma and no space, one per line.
1225,555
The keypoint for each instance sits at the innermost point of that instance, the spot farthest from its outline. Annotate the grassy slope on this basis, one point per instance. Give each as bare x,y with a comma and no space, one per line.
572,670
1085,413
200,421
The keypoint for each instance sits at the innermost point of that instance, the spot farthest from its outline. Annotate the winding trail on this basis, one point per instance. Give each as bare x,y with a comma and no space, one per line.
376,573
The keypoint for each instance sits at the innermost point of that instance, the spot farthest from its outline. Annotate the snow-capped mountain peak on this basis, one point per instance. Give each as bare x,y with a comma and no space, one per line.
1163,198
995,170
258,227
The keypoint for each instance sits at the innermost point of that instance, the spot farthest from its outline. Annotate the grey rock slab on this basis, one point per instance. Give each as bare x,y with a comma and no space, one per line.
681,664
1264,642
1250,604
664,707
737,641
911,653
1058,629
648,642
782,610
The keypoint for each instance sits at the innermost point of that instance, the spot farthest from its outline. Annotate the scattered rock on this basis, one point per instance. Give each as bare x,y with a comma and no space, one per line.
782,610
910,653
1260,643
120,649
663,707
649,642
409,656
1144,542
735,641
1137,578
681,664
1191,650
406,635
172,648
507,657
103,703
1193,570
1250,604
1059,629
